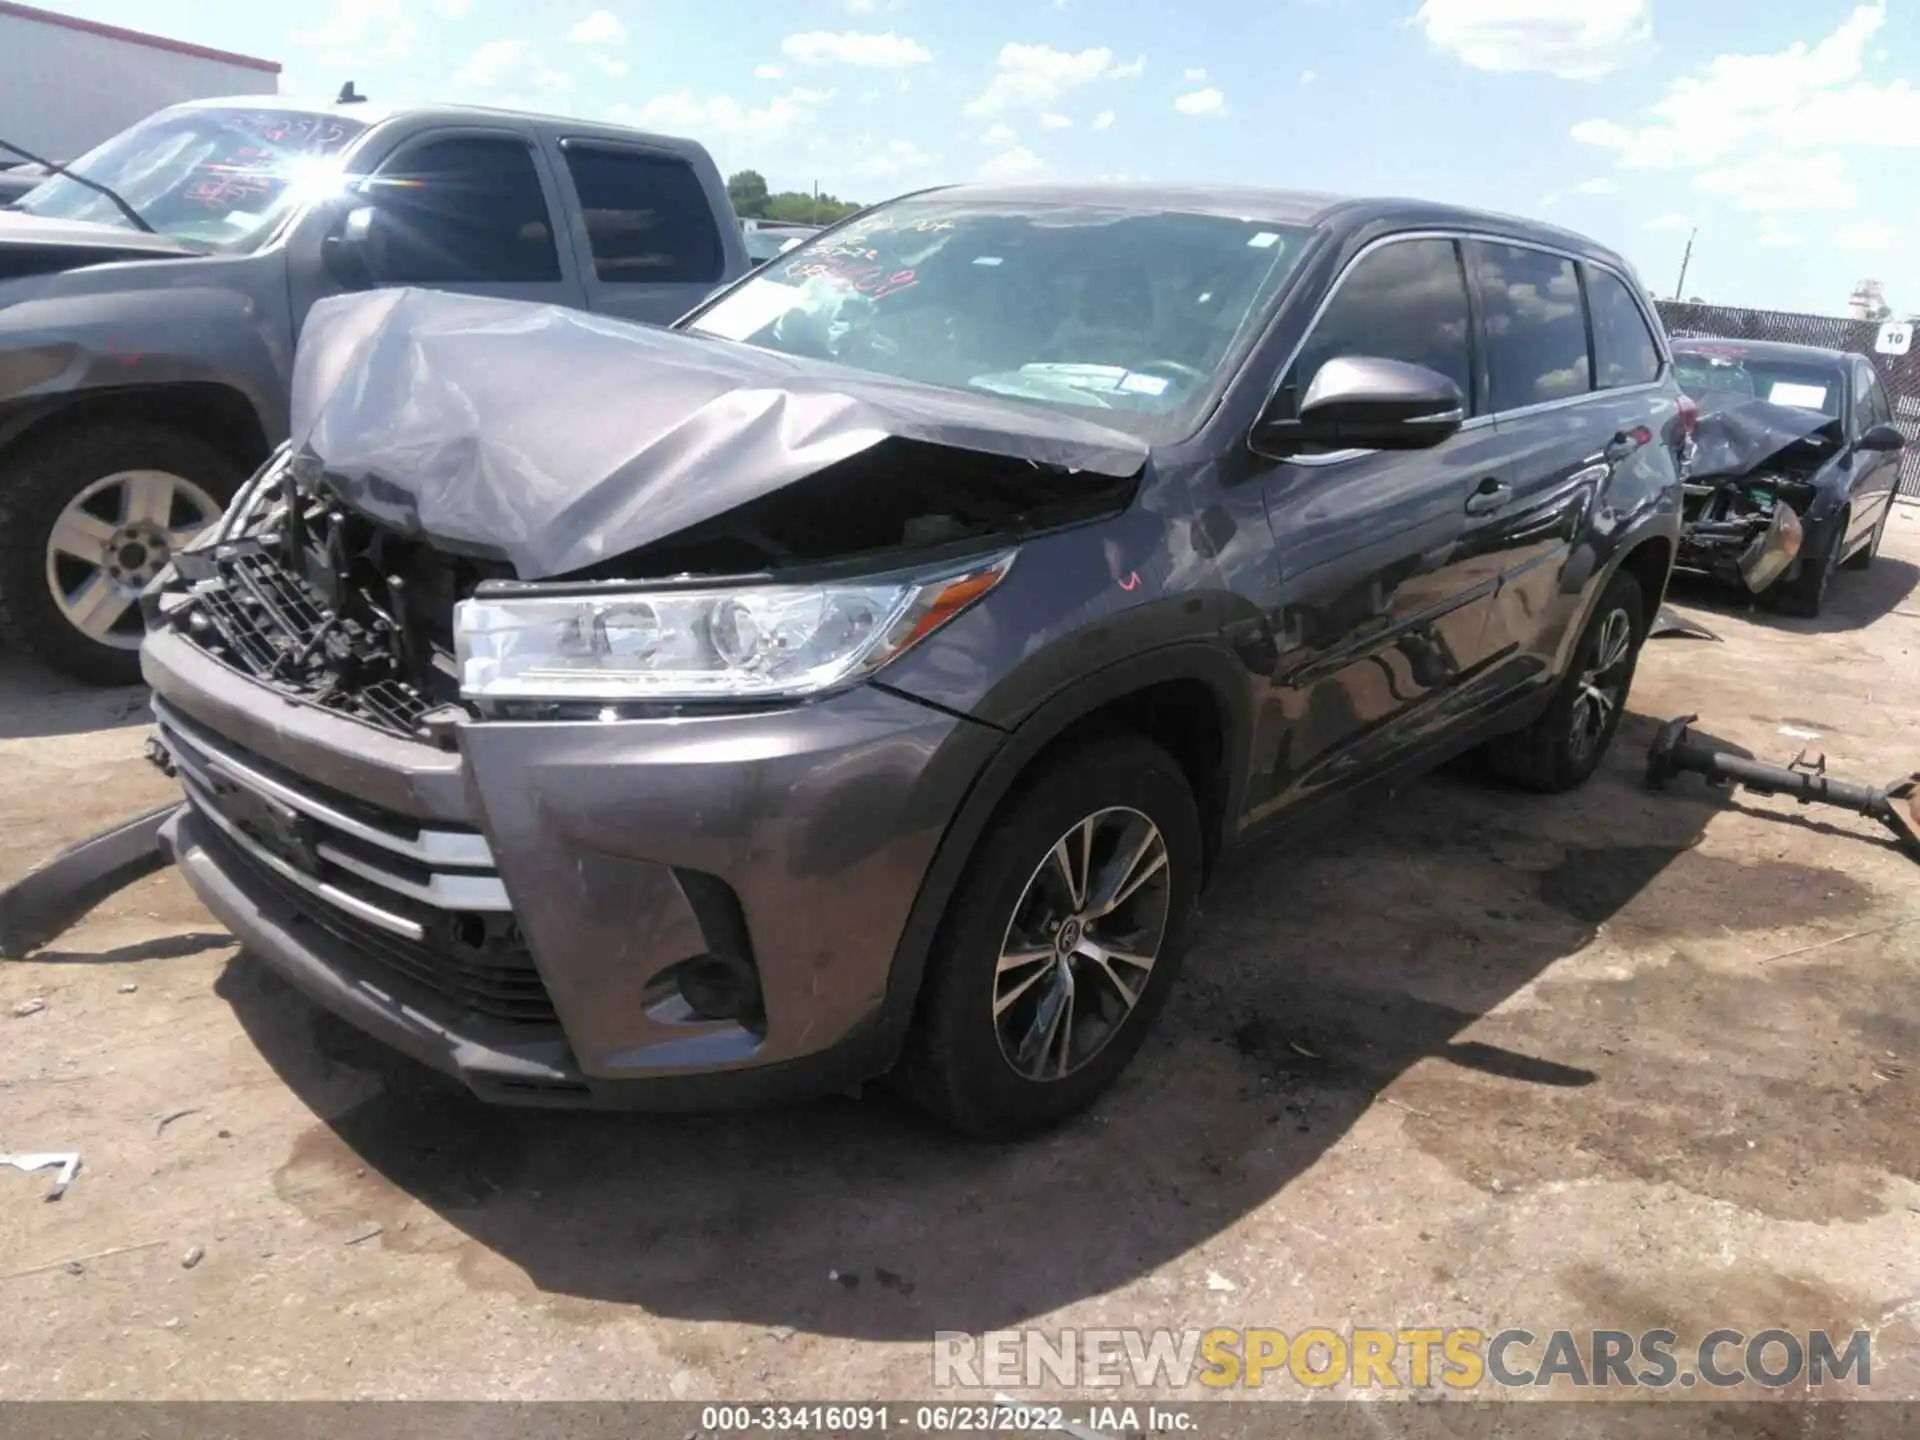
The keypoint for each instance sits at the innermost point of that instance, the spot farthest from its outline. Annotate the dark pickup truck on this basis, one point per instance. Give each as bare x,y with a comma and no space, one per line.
147,334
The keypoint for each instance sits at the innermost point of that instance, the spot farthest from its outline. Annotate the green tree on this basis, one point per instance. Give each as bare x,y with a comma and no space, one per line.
747,189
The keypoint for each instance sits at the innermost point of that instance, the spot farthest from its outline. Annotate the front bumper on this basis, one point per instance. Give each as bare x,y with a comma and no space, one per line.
512,911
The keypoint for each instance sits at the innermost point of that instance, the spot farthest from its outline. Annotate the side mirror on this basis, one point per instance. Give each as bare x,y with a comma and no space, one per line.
1883,440
345,251
1365,402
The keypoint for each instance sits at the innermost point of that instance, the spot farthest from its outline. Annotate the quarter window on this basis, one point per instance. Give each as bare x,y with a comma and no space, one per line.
648,219
1624,352
1535,324
1405,301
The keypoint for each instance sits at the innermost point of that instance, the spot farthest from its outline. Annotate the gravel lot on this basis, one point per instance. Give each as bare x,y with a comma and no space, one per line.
1611,1060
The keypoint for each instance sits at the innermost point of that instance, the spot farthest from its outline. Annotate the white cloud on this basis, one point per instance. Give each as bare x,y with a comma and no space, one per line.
1201,102
744,132
1011,164
851,47
360,32
767,72
1782,184
1036,77
508,65
1306,77
1195,76
1055,122
1600,186
1104,120
1669,221
1574,39
893,159
805,95
1803,98
602,27
452,9
1865,235
1001,137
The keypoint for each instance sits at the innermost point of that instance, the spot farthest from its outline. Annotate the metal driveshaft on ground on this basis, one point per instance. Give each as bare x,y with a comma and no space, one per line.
1674,750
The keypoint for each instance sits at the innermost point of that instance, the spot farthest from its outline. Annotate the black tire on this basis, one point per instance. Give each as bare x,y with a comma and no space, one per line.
37,485
954,1066
1863,558
1806,594
1548,756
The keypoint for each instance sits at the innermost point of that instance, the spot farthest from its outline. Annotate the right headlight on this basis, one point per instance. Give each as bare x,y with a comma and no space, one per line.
672,642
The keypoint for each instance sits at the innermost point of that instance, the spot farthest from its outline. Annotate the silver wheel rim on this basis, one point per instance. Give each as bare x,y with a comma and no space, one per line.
1081,944
1603,683
112,539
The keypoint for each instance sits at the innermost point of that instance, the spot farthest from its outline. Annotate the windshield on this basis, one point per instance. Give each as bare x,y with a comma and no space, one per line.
1124,314
1719,377
215,178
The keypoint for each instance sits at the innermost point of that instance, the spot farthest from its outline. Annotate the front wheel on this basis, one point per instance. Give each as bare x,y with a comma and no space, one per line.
86,520
1060,944
1566,744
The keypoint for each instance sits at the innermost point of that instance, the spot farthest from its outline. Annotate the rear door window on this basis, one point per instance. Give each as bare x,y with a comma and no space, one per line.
648,218
1624,352
1405,301
1535,322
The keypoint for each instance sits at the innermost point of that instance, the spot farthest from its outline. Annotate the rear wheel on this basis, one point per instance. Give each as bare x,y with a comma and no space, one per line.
1061,943
86,520
1566,744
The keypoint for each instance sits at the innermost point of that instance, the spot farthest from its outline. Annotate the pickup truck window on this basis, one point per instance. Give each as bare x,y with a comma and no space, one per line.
1536,324
460,209
648,220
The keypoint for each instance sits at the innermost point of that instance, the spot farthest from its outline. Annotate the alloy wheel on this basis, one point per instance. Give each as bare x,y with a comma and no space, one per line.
1603,684
112,539
1081,944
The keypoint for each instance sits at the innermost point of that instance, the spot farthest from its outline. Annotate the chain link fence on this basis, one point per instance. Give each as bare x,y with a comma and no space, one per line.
1899,373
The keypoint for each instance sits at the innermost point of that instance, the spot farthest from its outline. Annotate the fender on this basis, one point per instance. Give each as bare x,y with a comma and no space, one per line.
80,339
1203,661
1655,526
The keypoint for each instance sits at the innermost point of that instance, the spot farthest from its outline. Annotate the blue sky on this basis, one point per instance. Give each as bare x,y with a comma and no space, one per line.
1789,134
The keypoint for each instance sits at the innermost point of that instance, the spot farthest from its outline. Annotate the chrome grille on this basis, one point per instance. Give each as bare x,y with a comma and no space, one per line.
424,901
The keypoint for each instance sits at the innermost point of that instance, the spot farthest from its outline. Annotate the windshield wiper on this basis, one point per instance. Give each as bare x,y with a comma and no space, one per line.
56,168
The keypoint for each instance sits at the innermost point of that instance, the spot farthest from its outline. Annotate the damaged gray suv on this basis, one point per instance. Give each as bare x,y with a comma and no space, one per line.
866,674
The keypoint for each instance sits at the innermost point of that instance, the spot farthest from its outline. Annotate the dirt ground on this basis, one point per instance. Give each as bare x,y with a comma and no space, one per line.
1480,1059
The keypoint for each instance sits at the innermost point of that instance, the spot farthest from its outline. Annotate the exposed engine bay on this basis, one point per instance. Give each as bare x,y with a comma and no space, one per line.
1749,483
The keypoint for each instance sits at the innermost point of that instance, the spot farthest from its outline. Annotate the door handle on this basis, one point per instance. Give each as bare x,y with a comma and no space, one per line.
1490,496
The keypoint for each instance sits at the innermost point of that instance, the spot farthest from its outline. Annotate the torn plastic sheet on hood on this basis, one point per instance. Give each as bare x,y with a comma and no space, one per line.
556,439
1742,437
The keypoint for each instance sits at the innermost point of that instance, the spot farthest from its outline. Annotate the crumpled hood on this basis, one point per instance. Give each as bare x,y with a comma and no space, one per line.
82,241
556,439
1741,437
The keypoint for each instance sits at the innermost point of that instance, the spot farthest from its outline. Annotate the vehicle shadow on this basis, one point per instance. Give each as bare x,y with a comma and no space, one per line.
36,702
1855,599
1322,971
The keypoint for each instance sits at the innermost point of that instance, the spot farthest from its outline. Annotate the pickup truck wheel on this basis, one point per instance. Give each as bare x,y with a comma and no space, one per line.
1567,743
1060,944
86,520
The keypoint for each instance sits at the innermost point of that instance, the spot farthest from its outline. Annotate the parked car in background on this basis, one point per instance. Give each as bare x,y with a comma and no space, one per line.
147,329
867,673
1795,466
766,239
